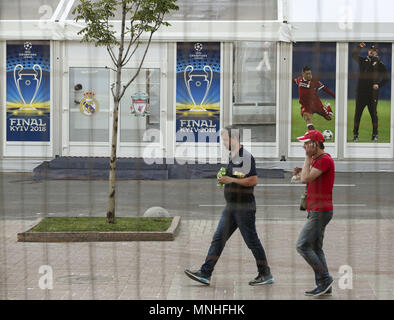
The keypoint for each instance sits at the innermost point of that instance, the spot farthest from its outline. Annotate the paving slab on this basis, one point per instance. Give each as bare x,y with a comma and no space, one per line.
155,270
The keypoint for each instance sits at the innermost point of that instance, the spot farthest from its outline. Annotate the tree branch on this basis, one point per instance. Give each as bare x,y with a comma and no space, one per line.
139,68
129,46
133,38
136,47
112,55
157,24
106,67
120,55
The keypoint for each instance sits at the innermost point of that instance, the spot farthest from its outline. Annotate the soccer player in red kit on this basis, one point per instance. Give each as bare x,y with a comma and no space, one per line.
308,87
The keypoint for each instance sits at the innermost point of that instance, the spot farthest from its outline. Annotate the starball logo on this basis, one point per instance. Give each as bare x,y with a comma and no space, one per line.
27,54
198,47
27,45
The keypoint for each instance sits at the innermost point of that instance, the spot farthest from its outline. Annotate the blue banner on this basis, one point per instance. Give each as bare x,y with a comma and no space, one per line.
28,91
198,92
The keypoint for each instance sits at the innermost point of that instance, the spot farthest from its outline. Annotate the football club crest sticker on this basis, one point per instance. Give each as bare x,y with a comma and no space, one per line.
89,105
140,104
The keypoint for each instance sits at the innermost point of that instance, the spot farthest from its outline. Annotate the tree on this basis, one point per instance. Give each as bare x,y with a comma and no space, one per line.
138,18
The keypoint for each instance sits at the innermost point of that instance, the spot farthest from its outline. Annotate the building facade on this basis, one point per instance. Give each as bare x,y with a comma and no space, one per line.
231,63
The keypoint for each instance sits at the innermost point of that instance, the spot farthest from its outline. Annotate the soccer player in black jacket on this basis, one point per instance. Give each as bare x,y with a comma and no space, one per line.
373,75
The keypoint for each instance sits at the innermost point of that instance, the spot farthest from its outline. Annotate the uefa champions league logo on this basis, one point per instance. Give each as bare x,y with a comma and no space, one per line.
27,45
198,47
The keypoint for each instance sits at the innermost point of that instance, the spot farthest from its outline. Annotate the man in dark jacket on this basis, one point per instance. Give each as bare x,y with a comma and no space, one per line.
240,212
373,75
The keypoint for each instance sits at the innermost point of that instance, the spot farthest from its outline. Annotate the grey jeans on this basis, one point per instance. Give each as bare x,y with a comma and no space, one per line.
310,243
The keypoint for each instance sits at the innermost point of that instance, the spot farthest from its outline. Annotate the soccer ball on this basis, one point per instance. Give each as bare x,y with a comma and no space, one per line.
327,134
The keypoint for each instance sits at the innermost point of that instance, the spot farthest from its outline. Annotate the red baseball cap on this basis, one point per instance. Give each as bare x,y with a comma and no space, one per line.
314,135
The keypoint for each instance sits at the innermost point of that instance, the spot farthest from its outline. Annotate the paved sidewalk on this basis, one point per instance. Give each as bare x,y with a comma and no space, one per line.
154,270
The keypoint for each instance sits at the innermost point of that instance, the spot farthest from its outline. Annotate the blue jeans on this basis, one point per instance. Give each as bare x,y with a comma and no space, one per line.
310,243
232,218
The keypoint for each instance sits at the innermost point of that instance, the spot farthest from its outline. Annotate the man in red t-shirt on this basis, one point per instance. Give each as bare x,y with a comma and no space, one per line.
308,87
319,174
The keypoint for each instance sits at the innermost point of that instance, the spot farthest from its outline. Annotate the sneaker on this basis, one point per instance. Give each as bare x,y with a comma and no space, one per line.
323,288
262,279
374,138
198,276
328,292
312,292
355,138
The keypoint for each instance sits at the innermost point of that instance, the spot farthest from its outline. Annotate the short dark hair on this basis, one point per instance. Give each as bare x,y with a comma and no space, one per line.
306,68
233,132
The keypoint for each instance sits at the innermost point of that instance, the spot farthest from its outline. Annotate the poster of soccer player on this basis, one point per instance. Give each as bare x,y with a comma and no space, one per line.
369,92
313,91
28,91
198,92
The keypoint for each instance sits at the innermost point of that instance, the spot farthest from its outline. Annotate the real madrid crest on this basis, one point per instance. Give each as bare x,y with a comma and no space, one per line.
89,105
140,104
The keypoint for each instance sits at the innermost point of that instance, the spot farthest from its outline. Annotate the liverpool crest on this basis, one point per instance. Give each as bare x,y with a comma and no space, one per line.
140,104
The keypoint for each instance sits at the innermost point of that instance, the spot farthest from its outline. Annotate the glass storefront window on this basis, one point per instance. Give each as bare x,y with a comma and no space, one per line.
89,100
140,105
254,89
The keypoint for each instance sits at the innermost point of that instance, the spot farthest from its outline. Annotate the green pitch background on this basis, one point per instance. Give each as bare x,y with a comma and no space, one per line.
365,129
298,126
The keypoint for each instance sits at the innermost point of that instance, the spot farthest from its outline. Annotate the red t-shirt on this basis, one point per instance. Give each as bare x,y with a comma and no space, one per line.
308,90
319,191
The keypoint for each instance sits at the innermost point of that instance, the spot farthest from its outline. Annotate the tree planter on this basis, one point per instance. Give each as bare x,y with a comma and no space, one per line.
90,236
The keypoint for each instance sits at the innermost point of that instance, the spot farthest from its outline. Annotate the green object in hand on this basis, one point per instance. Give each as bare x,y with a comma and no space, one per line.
221,173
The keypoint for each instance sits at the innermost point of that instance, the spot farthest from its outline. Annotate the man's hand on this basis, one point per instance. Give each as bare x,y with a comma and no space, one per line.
375,86
296,170
296,174
246,182
310,149
225,179
362,45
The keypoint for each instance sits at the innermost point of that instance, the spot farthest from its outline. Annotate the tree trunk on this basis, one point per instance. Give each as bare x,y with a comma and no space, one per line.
114,143
112,163
112,167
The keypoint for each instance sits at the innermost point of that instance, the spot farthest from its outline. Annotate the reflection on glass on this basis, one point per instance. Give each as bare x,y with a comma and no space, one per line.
146,86
254,89
89,104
